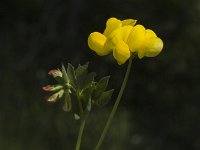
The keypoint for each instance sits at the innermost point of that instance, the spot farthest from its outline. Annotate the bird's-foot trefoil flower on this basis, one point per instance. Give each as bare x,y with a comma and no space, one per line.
123,39
99,42
78,88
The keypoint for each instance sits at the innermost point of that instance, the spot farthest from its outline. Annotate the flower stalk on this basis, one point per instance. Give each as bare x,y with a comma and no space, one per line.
80,134
82,125
112,114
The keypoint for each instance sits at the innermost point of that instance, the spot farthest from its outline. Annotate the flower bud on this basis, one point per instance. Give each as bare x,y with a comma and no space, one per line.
56,96
52,87
55,73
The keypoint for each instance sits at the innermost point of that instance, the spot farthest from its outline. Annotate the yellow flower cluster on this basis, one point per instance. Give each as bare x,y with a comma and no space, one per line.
124,38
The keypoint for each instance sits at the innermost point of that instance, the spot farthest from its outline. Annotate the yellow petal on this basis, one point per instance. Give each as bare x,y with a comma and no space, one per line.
111,25
136,38
126,31
153,47
129,22
149,34
110,21
141,53
96,42
114,38
121,52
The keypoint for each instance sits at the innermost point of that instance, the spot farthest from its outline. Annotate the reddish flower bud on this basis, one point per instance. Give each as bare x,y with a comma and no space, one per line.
52,87
55,73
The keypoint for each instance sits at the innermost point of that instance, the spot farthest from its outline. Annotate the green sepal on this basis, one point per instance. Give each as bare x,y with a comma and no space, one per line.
60,80
65,76
104,98
67,102
89,105
101,86
76,116
71,75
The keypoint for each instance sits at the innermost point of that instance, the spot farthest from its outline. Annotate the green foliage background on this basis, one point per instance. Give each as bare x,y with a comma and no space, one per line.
160,108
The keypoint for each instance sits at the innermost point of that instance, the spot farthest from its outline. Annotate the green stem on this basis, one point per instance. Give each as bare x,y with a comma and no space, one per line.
82,124
80,133
108,123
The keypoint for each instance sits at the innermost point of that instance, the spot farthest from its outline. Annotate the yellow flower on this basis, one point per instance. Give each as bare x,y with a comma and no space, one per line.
98,42
125,39
144,42
151,46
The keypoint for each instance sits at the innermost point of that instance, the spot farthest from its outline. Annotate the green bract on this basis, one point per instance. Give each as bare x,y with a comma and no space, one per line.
81,91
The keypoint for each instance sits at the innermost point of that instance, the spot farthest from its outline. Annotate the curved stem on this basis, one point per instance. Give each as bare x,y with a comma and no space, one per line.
108,123
80,133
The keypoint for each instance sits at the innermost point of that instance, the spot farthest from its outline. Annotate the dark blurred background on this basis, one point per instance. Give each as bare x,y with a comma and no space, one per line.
160,108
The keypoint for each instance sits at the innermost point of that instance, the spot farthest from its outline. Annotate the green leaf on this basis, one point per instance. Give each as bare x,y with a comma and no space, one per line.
85,81
86,65
65,76
104,98
81,70
86,96
101,86
71,75
86,93
67,102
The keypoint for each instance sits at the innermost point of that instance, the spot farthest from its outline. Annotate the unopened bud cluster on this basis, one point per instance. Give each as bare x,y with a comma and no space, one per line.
78,89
